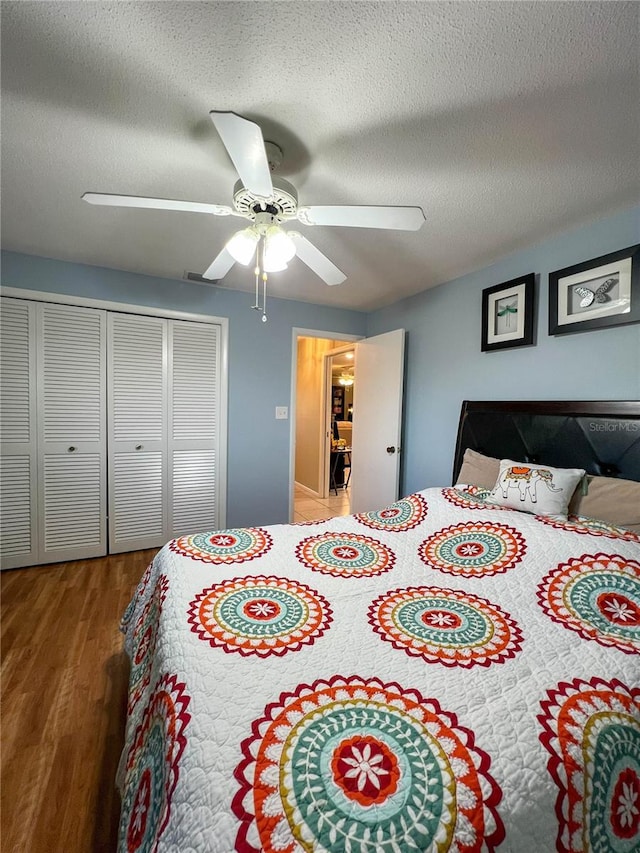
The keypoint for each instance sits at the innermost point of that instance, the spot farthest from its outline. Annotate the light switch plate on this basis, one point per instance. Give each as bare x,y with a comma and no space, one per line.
282,413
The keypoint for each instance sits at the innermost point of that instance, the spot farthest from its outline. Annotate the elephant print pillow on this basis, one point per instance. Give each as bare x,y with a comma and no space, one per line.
535,488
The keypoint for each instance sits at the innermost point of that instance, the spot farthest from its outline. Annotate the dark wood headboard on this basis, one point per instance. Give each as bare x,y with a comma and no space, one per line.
601,436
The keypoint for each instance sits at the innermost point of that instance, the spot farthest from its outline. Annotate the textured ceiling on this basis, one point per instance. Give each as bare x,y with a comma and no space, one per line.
505,122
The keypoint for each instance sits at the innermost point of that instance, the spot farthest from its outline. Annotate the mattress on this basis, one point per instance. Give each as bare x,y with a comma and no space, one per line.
439,675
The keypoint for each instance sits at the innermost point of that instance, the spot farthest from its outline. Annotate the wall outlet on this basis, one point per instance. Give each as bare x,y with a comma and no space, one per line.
282,413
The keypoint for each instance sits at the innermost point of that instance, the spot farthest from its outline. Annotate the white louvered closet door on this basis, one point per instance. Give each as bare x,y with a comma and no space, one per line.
137,391
71,351
194,403
18,459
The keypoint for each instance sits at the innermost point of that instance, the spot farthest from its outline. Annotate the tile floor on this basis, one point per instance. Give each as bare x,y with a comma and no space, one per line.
308,508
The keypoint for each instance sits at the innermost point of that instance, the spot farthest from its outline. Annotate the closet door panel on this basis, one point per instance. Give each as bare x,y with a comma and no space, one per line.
18,489
72,375
137,432
138,490
17,508
77,523
194,381
17,371
194,401
71,427
194,491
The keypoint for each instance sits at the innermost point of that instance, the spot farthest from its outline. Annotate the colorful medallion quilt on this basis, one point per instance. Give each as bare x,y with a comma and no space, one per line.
438,675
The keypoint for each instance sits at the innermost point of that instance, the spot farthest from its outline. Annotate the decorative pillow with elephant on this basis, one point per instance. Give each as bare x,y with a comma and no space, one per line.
539,489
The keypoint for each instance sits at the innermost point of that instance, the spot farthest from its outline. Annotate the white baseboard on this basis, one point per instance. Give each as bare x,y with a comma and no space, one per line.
306,489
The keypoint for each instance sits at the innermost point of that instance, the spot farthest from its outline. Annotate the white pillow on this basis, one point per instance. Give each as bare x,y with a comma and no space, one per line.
539,489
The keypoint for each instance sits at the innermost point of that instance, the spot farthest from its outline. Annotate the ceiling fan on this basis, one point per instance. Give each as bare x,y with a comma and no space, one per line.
268,202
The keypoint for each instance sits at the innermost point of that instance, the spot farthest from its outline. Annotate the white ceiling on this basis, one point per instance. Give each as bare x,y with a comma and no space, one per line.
506,122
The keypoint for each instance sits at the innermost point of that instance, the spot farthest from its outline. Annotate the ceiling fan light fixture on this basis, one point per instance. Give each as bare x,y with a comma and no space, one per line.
279,249
273,264
242,245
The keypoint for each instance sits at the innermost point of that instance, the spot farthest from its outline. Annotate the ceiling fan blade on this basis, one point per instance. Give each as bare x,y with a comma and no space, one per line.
220,266
245,145
400,218
156,203
316,261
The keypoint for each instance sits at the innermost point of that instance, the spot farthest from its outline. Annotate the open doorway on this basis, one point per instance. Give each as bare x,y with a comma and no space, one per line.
340,369
319,477
377,422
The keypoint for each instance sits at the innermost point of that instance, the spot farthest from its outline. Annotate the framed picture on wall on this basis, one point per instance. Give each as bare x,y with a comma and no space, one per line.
596,294
507,314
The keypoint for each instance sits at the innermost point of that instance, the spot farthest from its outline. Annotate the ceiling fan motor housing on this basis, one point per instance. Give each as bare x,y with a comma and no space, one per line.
283,203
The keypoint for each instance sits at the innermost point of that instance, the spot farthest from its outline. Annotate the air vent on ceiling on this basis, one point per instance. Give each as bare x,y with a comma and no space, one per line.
194,276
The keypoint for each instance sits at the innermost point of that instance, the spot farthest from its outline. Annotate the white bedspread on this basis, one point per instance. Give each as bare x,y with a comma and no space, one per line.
440,675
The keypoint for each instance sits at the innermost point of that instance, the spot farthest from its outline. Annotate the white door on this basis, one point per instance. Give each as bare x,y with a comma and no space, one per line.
194,427
70,346
53,433
18,461
377,421
137,388
164,430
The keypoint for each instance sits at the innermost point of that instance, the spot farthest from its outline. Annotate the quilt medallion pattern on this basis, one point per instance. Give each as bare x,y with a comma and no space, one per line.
137,598
471,497
445,626
487,698
473,549
259,615
346,555
593,526
356,764
144,642
152,767
592,731
225,546
598,596
401,515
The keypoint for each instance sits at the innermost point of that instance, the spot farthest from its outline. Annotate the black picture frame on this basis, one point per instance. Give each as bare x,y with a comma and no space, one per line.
574,304
498,304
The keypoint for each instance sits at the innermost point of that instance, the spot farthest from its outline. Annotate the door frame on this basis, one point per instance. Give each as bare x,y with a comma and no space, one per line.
297,332
170,314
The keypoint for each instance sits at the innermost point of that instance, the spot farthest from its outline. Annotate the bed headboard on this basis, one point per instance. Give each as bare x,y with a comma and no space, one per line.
601,436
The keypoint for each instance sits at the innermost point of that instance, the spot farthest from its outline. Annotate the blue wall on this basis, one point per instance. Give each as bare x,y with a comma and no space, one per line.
445,364
259,365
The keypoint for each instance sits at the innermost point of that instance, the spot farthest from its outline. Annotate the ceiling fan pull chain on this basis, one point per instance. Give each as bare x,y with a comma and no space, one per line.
260,272
264,297
257,272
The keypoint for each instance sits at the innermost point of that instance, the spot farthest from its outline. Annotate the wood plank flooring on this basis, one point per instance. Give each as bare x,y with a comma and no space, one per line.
64,688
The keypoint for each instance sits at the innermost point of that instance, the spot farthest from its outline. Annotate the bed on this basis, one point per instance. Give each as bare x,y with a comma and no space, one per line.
444,674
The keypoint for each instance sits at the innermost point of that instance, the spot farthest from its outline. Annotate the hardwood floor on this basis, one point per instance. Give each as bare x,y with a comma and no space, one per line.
64,688
64,678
